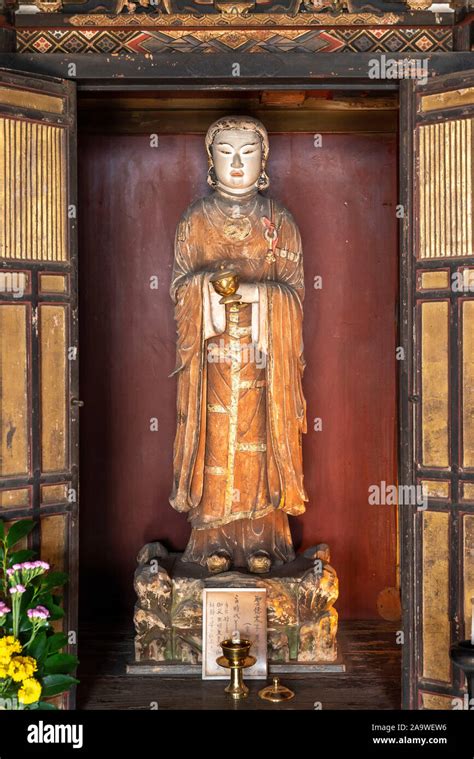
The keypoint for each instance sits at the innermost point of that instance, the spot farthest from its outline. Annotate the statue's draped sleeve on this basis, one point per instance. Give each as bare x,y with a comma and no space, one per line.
286,406
187,293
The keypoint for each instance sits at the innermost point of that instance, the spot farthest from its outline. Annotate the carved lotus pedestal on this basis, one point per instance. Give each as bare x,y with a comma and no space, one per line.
301,620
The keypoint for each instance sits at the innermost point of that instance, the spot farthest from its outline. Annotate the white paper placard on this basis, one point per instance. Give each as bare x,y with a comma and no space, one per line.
224,611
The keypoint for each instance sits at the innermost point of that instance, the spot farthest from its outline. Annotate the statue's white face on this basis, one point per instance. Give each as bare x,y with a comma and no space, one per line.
237,155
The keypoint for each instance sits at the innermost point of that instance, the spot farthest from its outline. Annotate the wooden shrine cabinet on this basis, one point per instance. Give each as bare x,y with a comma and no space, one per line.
63,96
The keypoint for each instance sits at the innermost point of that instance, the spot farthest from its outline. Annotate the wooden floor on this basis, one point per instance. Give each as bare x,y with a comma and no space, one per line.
372,679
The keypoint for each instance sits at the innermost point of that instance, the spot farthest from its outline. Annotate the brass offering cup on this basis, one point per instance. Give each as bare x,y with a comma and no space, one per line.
236,658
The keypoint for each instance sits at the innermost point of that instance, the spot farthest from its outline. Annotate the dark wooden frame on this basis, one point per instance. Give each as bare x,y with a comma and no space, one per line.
406,393
348,71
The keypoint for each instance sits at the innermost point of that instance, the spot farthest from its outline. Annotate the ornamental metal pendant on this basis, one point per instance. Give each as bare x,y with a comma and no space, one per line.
237,228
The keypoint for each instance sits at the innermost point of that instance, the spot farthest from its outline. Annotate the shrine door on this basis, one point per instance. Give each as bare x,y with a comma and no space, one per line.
38,321
437,387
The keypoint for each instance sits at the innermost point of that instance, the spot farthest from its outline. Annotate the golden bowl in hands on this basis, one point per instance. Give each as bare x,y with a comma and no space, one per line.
226,283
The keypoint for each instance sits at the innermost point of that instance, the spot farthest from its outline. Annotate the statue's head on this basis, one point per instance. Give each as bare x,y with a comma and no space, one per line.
237,149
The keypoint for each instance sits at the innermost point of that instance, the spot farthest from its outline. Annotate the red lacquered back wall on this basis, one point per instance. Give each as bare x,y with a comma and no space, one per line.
343,196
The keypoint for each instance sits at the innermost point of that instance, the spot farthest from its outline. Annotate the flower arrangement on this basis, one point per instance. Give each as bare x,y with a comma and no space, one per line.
32,665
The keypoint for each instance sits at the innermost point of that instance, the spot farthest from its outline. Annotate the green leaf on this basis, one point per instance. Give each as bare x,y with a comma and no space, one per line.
56,612
2,529
56,641
19,556
60,663
18,530
43,705
45,599
53,580
25,625
26,598
38,646
55,684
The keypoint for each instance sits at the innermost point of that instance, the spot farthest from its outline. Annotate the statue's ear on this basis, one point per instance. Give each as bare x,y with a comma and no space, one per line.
263,180
211,176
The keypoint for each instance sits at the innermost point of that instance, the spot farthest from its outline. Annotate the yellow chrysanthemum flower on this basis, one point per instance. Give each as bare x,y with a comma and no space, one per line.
3,670
21,668
8,647
30,691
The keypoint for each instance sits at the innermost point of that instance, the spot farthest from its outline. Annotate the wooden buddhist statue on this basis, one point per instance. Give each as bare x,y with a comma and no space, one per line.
238,292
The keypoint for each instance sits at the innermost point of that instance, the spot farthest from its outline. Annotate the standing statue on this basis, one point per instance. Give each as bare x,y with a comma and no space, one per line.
238,293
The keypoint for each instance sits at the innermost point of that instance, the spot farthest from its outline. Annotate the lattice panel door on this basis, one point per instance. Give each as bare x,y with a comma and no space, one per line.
38,318
438,384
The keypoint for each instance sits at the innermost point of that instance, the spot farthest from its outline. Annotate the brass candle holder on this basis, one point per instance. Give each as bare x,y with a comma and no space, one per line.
236,658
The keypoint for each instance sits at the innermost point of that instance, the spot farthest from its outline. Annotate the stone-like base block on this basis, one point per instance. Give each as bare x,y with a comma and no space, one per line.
301,620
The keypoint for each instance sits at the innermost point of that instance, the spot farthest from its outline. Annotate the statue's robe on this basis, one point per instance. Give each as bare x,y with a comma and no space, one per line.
240,408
